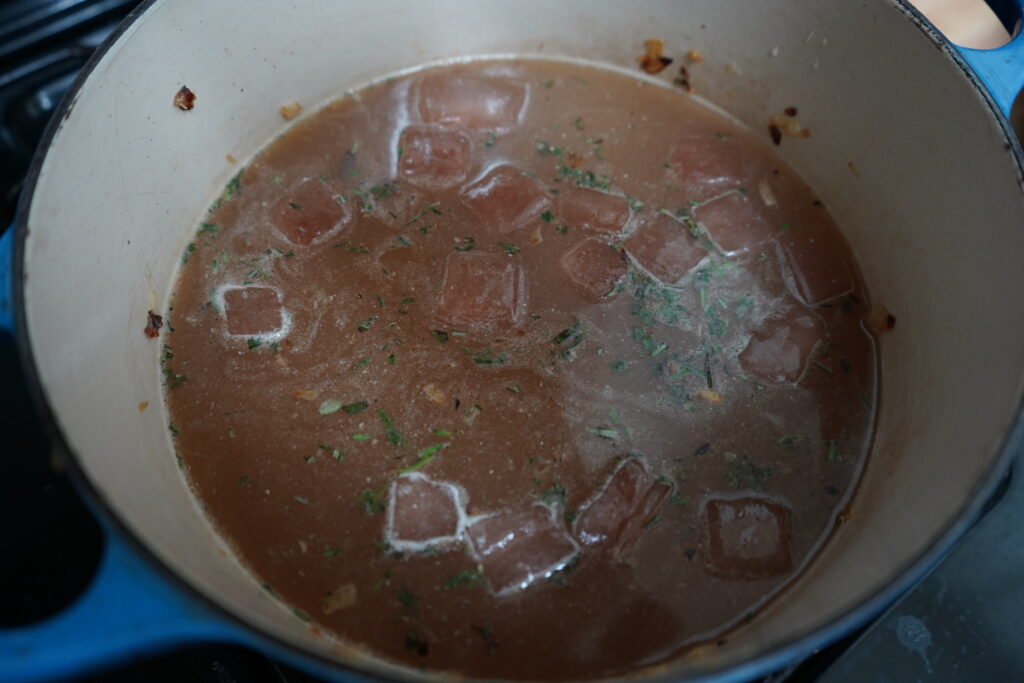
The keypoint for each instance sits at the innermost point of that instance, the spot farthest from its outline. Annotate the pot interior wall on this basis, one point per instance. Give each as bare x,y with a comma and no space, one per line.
933,211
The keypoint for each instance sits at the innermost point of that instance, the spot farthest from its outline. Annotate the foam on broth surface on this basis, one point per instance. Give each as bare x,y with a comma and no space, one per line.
523,369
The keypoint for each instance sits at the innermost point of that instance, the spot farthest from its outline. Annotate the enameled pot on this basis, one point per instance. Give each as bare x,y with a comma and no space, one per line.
910,151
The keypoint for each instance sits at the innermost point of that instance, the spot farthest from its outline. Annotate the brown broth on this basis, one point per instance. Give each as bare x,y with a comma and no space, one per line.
487,326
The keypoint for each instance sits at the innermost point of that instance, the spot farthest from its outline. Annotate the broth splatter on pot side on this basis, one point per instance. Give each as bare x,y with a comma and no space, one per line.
521,369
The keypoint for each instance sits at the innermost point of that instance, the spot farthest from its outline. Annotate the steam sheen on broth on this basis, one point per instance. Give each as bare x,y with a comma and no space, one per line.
520,369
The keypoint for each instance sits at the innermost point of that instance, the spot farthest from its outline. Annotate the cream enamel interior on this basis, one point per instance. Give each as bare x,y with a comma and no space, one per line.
934,213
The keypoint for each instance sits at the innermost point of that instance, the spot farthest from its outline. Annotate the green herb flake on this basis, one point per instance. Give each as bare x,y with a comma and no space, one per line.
833,451
393,435
489,142
788,440
550,83
300,500
653,521
354,248
408,300
208,228
331,552
547,216
466,244
441,336
604,432
546,150
619,365
677,499
742,474
487,634
361,437
355,407
254,343
189,250
487,357
242,481
464,579
562,229
578,124
414,642
384,581
372,502
296,206
442,432
514,388
233,187
301,615
392,360
510,249
824,367
423,458
366,323
407,598
553,495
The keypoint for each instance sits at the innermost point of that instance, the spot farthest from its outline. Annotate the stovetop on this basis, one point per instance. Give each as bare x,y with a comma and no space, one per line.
958,624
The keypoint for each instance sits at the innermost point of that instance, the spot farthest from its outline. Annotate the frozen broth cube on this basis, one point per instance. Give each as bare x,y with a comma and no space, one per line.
518,547
708,165
733,222
308,213
593,265
592,210
480,288
665,248
434,156
471,100
252,311
505,199
780,350
616,515
746,538
422,512
818,263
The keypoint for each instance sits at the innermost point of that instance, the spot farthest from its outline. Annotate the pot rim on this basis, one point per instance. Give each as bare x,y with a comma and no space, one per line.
781,655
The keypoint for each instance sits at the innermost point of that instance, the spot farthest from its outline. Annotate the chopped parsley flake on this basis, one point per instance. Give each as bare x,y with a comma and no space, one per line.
510,249
355,407
423,457
372,502
487,357
464,579
393,435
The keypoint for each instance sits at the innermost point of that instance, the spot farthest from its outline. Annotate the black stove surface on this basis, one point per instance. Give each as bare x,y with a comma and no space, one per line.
56,543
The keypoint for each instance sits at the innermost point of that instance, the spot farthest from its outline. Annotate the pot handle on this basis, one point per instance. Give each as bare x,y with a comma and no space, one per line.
1001,69
7,281
128,611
